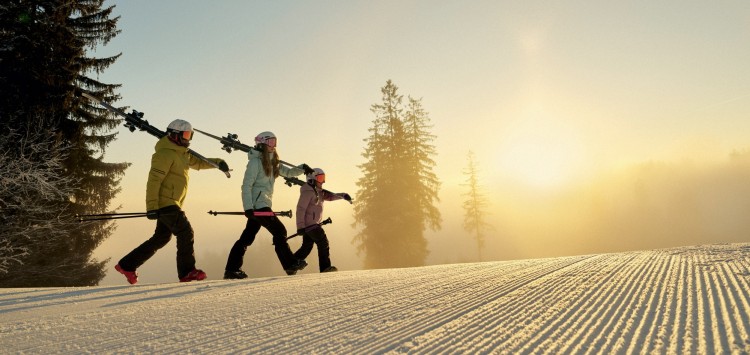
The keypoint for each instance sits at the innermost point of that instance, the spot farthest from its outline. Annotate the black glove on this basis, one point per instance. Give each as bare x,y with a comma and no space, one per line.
307,169
152,214
223,166
249,213
345,196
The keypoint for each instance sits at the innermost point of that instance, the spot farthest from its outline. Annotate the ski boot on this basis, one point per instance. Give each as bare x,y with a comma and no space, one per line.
234,275
299,265
132,276
330,269
195,275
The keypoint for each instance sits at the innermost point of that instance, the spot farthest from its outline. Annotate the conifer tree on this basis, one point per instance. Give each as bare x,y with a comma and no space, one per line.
394,201
43,70
417,145
475,205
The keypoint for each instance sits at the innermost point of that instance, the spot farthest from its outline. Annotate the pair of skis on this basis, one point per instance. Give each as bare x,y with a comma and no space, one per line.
135,121
231,142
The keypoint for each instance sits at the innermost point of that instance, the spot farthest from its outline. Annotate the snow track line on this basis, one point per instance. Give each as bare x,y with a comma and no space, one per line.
485,316
447,288
732,318
726,318
533,312
709,317
646,310
480,303
598,310
445,285
679,300
740,297
587,318
341,300
347,296
679,303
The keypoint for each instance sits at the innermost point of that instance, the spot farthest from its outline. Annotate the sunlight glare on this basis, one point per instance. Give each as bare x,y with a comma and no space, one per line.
541,152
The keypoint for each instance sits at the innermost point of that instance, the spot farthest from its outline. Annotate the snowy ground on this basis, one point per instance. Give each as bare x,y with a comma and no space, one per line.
683,300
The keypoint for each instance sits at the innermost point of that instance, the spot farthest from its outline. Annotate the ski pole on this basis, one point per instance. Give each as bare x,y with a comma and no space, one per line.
255,213
105,216
83,219
110,214
327,221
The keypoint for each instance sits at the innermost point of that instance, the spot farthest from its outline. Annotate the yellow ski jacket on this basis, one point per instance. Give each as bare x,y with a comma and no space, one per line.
168,177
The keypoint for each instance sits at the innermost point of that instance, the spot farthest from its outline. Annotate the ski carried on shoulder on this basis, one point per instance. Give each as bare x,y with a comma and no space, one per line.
135,121
230,142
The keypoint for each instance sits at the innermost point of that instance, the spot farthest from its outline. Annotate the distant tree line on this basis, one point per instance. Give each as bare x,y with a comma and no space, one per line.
52,142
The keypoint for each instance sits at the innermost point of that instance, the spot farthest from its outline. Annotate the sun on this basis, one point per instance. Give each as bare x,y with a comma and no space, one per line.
541,152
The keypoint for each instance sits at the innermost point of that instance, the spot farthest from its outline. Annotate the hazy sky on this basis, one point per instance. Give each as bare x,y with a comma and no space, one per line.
547,94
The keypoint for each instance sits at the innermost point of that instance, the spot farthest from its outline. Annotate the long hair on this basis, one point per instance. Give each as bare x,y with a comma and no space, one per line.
270,165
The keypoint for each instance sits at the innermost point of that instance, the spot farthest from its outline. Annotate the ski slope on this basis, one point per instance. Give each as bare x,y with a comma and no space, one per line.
681,300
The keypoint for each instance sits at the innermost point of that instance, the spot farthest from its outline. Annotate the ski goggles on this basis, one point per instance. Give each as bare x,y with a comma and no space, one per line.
187,135
320,178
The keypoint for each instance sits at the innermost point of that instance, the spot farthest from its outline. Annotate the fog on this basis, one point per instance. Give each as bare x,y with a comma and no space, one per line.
653,204
649,205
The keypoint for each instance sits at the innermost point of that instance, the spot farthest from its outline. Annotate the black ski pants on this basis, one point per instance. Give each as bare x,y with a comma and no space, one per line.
277,230
318,237
172,220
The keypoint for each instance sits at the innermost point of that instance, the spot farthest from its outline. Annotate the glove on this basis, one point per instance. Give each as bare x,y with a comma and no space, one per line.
152,214
307,169
249,213
345,196
223,166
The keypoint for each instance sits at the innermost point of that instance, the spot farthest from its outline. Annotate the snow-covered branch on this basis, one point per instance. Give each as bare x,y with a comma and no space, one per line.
30,181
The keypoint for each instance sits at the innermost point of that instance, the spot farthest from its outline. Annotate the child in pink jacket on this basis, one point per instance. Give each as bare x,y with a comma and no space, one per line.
309,214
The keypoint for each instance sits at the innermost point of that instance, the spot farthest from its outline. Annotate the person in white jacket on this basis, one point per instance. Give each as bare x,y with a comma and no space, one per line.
309,214
263,167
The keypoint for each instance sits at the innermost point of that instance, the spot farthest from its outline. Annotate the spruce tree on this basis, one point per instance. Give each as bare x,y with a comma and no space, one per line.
397,188
43,70
475,205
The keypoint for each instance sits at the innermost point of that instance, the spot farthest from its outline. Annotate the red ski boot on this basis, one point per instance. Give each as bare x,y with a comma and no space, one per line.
195,275
132,276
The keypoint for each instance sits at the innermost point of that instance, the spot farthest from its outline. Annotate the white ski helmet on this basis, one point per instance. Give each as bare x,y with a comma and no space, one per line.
181,128
267,138
314,175
179,125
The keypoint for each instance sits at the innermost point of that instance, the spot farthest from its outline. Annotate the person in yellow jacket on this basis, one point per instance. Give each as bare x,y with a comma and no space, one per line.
165,193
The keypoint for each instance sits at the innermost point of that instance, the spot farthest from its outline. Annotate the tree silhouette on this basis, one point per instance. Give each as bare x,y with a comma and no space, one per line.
44,69
475,205
398,188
